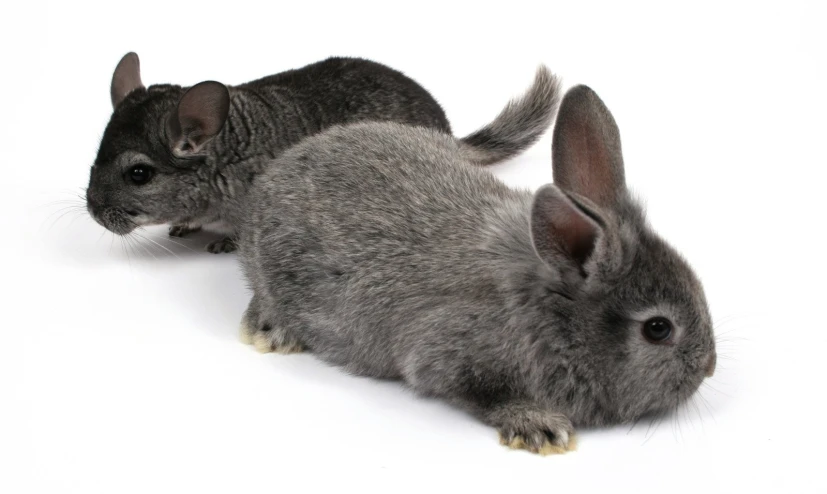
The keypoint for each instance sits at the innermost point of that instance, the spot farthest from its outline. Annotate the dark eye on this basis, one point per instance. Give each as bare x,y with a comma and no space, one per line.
657,329
139,174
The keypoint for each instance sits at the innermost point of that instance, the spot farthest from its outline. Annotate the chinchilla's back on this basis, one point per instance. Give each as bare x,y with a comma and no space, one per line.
342,90
372,226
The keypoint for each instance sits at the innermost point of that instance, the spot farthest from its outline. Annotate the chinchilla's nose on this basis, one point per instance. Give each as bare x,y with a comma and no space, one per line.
710,364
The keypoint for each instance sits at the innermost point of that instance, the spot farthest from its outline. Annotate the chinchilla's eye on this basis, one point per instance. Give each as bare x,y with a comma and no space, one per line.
657,329
139,174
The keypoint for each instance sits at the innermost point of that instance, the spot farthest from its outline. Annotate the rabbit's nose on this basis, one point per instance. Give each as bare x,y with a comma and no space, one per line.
710,364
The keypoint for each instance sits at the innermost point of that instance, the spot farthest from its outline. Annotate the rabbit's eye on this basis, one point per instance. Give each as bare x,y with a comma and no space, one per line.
657,329
139,174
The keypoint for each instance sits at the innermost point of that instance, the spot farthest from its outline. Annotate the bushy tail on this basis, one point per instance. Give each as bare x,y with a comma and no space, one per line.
519,125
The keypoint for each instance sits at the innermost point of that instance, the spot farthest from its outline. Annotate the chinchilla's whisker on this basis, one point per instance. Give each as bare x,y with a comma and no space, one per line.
127,240
161,246
128,251
65,192
62,215
147,247
176,242
123,248
137,247
70,207
61,202
57,214
133,244
76,217
153,243
143,247
167,238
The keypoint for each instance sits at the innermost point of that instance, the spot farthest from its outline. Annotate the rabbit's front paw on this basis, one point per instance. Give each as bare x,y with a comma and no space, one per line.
267,339
535,430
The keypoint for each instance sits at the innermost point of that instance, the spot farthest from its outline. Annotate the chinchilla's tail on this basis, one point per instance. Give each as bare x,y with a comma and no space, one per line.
519,125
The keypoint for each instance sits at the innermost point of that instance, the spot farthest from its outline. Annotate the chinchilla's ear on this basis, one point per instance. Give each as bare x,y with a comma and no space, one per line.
127,78
586,155
564,231
200,115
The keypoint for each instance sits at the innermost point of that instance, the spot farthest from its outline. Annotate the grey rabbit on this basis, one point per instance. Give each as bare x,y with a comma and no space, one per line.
186,156
383,249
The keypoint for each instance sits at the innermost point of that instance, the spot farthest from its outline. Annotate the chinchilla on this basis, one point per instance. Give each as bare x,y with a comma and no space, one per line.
186,156
381,249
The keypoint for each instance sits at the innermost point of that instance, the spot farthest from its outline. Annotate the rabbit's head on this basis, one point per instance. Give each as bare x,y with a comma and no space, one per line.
631,302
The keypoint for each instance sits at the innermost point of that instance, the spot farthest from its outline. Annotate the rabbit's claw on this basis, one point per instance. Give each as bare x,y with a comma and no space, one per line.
535,430
541,442
267,339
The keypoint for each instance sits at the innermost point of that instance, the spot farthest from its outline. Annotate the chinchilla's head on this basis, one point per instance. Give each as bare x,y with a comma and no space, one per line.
628,299
147,168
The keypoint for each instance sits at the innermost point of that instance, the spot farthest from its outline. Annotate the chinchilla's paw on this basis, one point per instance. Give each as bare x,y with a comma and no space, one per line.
266,339
223,245
182,230
537,431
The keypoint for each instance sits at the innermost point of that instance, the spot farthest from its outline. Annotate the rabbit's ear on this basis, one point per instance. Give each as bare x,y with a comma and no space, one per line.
201,114
563,230
127,78
586,155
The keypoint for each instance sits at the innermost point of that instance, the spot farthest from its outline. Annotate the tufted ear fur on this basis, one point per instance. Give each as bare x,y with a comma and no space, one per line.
200,115
586,154
127,78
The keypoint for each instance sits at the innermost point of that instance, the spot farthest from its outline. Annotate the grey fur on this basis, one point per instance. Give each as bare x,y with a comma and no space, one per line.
381,249
207,143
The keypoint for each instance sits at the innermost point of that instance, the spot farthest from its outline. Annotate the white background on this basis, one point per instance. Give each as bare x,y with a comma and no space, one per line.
124,373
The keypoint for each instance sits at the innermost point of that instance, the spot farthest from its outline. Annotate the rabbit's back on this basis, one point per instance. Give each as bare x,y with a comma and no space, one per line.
373,238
